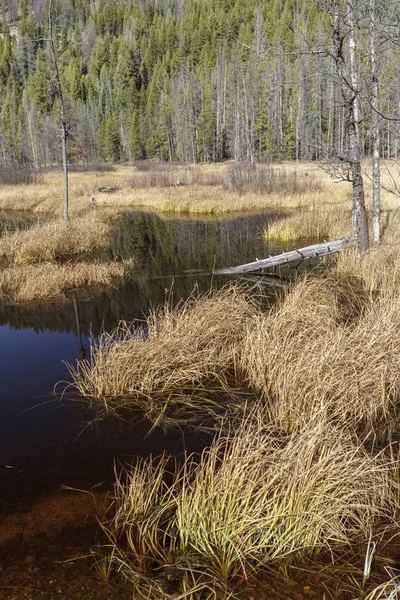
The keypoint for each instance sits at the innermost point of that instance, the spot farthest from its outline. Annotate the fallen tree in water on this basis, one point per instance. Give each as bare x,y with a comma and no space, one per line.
314,251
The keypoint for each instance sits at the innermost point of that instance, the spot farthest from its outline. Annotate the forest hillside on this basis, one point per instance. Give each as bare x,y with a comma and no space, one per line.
187,80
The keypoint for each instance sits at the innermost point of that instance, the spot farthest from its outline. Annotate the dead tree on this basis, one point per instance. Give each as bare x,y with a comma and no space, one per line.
64,129
348,80
375,133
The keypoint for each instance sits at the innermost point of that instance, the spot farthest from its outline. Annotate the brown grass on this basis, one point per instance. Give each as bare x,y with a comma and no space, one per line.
328,222
301,476
179,188
87,236
201,190
46,261
49,282
378,269
326,353
179,358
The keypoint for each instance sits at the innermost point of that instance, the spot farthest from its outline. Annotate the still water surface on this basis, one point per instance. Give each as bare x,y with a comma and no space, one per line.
47,441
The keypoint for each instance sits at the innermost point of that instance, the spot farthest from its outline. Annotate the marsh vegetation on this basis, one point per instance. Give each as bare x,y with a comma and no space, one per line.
299,387
303,474
82,254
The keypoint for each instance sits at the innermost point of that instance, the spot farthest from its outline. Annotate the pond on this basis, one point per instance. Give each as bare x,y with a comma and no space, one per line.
170,256
48,441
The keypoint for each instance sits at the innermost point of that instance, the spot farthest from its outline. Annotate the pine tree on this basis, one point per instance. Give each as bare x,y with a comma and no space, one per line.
134,137
111,145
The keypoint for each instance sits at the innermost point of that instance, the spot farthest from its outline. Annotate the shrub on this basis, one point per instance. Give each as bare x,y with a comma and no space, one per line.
265,179
17,175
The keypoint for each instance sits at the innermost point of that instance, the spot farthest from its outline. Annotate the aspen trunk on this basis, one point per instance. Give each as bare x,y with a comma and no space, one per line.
64,130
375,133
348,79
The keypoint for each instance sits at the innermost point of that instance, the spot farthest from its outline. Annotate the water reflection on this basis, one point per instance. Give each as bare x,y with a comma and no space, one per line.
46,442
163,250
168,246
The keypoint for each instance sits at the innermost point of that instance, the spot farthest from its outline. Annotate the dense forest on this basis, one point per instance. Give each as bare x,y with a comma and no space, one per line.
193,80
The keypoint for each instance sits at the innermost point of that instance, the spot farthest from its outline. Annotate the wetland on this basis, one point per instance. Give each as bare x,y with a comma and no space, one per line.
165,434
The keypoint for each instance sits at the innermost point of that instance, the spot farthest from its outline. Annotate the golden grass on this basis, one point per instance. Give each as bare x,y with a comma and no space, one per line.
378,269
202,191
328,222
299,477
46,261
151,187
86,236
325,353
253,500
180,357
206,189
155,189
49,282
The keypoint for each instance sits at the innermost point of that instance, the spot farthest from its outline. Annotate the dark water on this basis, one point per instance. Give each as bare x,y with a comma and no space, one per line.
46,441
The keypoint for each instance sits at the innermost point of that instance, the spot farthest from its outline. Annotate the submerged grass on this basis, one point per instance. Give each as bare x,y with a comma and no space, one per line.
252,501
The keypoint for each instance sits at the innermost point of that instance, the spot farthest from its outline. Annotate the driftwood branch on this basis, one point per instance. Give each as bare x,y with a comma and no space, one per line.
286,258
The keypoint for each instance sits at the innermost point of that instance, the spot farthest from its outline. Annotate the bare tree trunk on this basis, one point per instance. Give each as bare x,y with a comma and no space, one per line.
34,153
349,87
64,130
354,116
375,133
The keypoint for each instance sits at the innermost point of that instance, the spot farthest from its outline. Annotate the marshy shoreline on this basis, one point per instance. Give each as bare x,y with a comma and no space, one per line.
301,393
41,261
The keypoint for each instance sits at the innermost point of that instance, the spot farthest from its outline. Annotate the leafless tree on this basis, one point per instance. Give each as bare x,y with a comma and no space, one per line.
375,133
64,129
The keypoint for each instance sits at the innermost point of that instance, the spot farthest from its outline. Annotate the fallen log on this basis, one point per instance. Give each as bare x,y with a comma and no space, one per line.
107,190
286,258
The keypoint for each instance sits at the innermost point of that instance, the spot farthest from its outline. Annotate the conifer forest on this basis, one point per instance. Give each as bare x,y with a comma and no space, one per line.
192,80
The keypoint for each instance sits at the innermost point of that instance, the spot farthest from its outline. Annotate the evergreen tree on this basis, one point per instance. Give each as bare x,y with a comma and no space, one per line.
111,144
134,137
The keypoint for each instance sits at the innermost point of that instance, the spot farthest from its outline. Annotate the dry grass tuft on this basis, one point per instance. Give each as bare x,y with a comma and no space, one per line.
328,222
179,352
252,501
44,262
86,237
324,353
49,282
378,269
